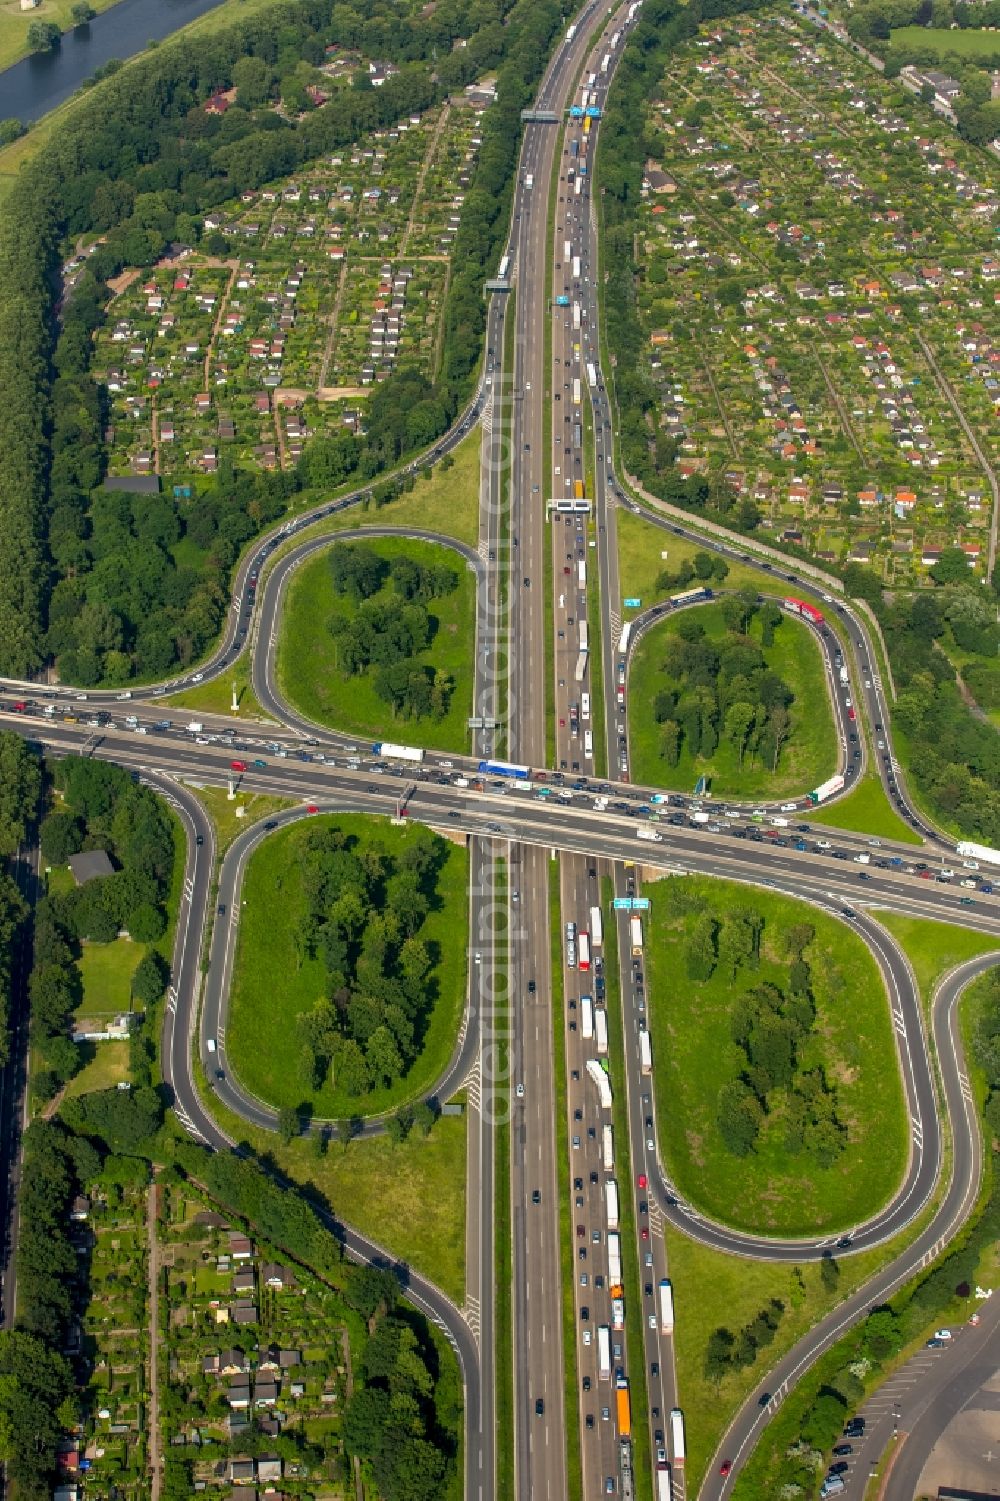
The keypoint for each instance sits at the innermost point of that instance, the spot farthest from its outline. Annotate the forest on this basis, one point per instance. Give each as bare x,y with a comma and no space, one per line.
724,690
365,912
139,162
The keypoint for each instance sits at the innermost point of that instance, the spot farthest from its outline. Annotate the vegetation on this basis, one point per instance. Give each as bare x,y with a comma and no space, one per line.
866,810
125,173
377,636
737,695
953,757
348,982
102,809
769,1023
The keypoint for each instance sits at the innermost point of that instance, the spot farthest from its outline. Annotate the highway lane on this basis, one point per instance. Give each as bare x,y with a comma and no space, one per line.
956,1205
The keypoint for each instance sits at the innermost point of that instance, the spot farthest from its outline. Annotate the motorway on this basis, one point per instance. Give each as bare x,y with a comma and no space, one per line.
591,824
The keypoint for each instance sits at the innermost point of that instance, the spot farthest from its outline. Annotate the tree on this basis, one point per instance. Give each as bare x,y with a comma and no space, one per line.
43,36
951,568
150,978
739,1117
61,835
82,12
424,1117
699,948
739,722
11,130
288,1124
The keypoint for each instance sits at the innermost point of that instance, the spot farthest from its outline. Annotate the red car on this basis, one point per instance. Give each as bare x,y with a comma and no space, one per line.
644,1232
725,1467
237,766
642,1181
311,808
851,714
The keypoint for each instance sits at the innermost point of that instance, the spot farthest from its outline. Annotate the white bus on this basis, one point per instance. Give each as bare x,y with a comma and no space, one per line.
666,1306
581,574
576,391
596,927
586,1018
584,705
635,935
591,374
579,186
645,1054
576,268
581,669
588,744
584,636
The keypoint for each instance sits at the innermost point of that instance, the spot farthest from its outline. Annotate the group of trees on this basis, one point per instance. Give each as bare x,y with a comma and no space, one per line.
986,1046
141,175
769,1025
20,781
723,690
393,1422
386,634
103,808
365,911
36,1382
727,1351
953,755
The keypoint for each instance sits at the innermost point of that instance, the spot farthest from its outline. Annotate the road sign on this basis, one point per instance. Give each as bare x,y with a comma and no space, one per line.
640,903
623,904
633,604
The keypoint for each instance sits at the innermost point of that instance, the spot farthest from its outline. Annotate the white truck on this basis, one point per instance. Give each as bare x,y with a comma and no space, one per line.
970,851
666,1296
608,1148
614,1259
586,1018
602,1082
843,676
529,181
635,936
611,1202
645,1054
604,1352
601,1029
195,727
649,835
596,927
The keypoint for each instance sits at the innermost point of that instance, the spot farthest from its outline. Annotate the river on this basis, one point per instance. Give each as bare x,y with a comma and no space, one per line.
38,83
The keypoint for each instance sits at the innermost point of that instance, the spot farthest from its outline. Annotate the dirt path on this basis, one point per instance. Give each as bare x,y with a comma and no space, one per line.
154,1336
358,1489
432,145
334,320
234,266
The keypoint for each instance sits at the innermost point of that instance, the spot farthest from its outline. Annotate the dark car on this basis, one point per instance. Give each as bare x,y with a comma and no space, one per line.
539,1407
843,1449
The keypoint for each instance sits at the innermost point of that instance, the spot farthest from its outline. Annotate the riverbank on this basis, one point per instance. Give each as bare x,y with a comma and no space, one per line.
14,23
221,14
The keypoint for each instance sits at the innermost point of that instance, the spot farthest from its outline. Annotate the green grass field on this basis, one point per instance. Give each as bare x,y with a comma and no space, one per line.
964,43
808,757
694,1054
272,985
106,970
307,661
14,23
108,1067
413,1196
216,696
640,560
866,810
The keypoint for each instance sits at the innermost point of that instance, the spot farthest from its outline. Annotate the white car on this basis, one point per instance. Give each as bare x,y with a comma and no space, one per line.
944,1334
587,1338
823,844
788,807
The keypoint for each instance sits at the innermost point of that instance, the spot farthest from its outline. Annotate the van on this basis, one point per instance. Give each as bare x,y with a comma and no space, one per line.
832,1486
210,1044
